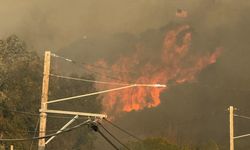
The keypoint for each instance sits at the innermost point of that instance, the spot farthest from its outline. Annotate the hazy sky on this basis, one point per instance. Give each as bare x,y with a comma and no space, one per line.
54,24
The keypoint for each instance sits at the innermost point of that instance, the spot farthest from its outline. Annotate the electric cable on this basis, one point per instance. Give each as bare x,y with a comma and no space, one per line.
54,130
106,138
21,112
128,133
46,136
113,136
84,63
100,74
94,126
86,68
37,123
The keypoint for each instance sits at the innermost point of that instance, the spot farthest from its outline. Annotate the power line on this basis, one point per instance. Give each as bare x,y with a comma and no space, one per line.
21,112
64,58
53,130
47,136
85,64
128,133
34,133
79,64
113,136
96,129
100,74
88,80
115,147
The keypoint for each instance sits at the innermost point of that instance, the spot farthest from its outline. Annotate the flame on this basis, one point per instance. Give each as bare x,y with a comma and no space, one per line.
176,64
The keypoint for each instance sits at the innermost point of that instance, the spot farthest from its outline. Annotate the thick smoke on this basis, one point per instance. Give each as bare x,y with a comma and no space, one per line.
56,24
90,30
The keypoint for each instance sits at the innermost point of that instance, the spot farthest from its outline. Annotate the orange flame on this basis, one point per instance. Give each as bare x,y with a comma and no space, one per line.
176,64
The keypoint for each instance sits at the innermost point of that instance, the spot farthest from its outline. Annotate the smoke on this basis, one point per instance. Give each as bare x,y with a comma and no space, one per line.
91,30
57,24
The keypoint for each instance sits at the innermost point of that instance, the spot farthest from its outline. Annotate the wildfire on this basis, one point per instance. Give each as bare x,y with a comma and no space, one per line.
176,64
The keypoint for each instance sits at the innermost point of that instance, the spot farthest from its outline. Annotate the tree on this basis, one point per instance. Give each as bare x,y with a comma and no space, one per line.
19,89
21,74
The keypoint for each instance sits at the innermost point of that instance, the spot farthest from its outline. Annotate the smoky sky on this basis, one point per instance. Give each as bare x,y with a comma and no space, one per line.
95,29
56,24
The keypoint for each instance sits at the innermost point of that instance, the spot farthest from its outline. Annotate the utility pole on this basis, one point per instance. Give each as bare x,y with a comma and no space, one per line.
44,99
231,127
11,147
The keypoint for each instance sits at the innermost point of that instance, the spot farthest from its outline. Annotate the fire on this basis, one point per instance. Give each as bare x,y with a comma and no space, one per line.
176,64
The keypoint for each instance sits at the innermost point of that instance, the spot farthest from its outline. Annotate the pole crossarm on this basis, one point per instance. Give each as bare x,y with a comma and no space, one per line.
64,127
241,136
74,113
106,91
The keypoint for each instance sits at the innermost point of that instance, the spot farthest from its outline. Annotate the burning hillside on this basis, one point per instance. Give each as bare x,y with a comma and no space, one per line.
176,64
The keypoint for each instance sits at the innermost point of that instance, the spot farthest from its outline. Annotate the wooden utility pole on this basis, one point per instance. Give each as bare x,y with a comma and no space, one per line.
11,147
231,128
44,99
